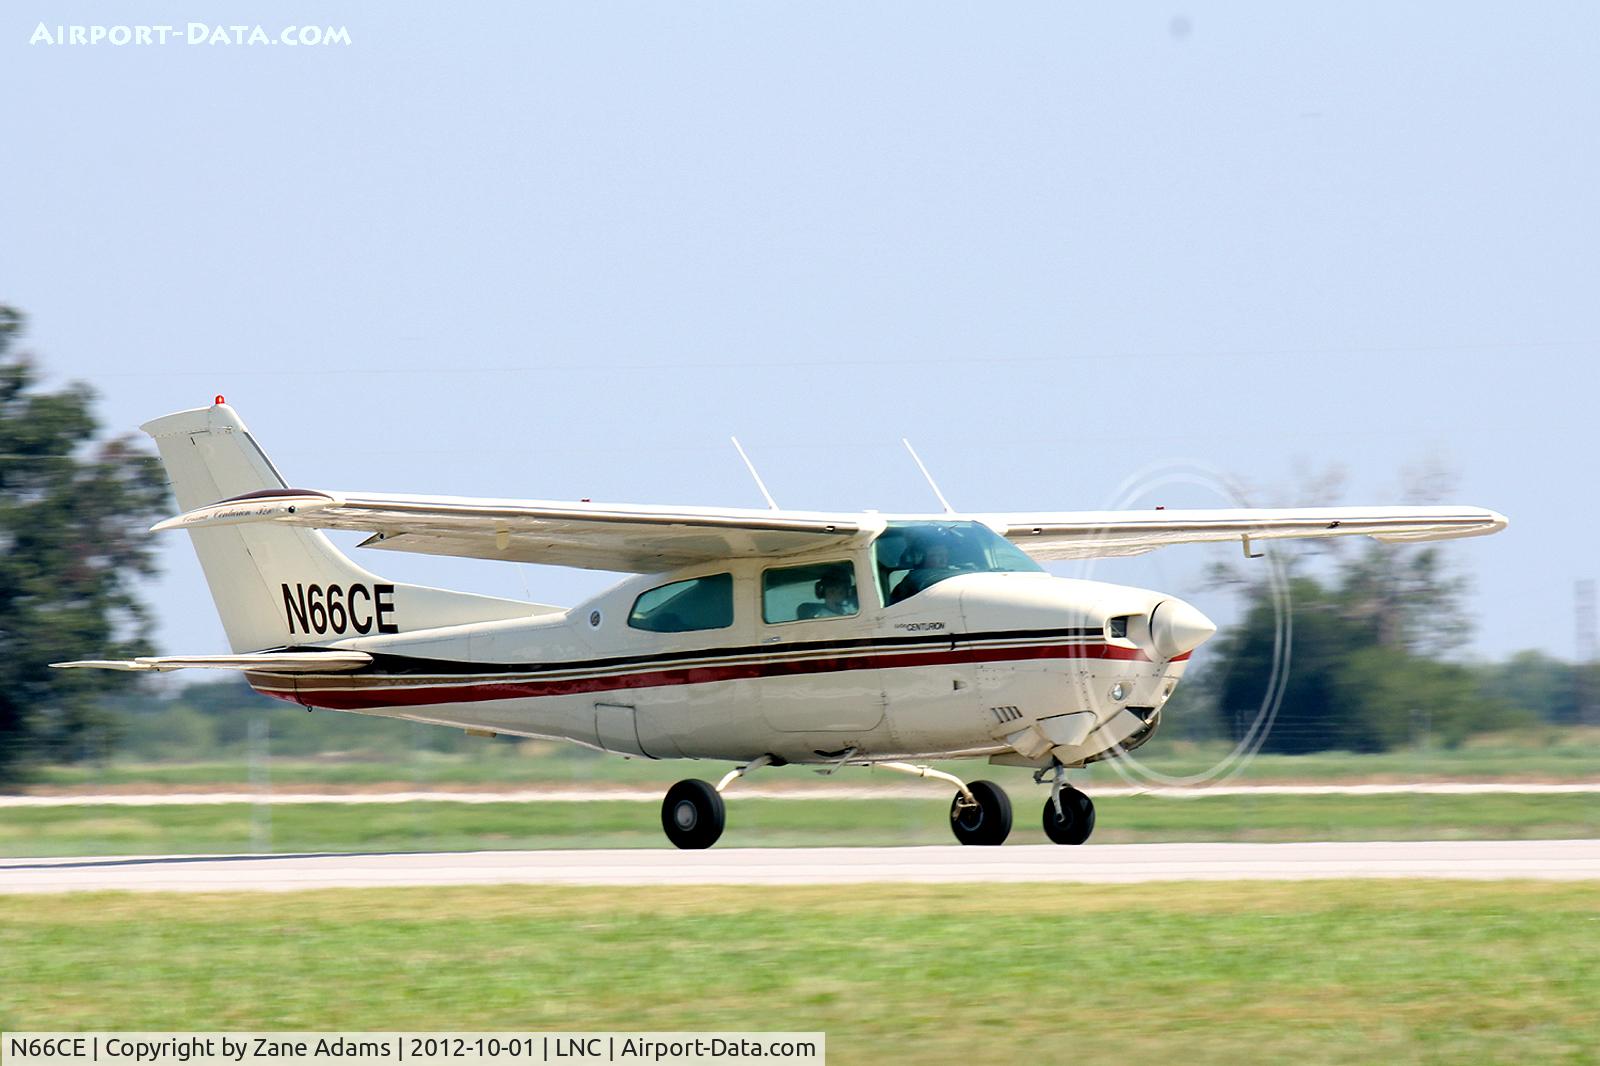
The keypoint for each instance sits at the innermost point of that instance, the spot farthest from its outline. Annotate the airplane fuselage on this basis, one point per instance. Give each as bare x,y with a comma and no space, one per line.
1021,666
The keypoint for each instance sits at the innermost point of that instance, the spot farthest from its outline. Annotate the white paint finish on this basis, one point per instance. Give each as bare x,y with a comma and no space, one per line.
850,701
1545,860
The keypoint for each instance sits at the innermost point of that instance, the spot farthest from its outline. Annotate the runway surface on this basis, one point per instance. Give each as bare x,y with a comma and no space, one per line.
653,795
1548,860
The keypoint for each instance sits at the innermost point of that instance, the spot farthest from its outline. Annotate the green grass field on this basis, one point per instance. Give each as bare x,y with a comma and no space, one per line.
1200,973
757,822
1548,754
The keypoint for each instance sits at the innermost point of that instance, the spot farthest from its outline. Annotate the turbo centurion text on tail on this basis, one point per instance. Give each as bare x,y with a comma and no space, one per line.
755,637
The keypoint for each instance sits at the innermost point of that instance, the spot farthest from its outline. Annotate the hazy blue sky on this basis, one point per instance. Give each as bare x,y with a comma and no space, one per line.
564,251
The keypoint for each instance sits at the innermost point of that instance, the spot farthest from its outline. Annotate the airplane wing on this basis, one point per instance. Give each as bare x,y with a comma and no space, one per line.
618,537
1096,534
643,539
266,662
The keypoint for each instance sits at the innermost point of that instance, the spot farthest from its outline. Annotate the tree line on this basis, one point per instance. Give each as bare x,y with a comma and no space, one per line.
74,510
1372,663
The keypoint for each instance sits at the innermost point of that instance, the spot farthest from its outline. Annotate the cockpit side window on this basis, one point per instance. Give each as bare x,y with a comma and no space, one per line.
685,606
913,556
802,593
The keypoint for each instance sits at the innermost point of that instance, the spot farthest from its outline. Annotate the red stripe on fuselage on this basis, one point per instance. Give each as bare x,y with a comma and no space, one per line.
478,691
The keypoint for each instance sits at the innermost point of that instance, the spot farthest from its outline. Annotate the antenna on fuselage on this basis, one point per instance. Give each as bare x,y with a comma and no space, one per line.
752,468
918,460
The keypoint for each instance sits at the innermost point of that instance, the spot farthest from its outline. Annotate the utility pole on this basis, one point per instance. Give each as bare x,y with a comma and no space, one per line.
1587,652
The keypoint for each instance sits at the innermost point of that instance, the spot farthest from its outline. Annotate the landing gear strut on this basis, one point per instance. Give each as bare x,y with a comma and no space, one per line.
981,811
985,819
1068,813
693,813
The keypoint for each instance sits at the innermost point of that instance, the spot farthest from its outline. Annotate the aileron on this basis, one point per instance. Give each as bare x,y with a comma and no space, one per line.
1090,534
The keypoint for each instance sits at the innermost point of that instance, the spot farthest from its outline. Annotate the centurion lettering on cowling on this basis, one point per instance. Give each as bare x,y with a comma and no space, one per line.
355,608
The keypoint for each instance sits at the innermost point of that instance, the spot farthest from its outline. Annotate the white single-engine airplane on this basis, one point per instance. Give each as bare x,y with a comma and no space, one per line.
758,637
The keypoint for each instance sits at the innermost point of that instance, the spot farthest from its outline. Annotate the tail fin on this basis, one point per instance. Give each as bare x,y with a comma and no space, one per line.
277,586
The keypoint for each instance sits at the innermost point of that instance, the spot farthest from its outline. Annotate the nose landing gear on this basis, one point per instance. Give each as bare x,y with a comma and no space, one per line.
1068,813
1074,822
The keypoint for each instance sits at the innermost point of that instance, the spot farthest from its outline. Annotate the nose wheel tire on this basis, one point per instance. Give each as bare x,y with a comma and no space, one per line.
988,822
693,814
1076,820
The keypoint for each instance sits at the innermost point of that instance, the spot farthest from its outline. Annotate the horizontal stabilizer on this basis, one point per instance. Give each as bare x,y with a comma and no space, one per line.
267,662
251,507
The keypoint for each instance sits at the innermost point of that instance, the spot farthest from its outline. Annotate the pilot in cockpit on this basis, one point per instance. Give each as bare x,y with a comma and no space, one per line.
930,565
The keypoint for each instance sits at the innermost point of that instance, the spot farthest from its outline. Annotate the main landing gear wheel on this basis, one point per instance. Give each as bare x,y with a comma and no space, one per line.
1076,820
986,821
693,814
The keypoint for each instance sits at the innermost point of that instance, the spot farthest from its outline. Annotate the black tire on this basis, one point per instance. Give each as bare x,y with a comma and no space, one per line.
693,815
987,824
1076,820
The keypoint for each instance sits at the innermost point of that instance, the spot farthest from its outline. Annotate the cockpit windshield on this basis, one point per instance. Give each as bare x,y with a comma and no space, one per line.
912,556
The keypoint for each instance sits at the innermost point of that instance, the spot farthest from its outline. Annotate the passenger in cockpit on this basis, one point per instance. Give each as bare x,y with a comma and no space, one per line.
835,590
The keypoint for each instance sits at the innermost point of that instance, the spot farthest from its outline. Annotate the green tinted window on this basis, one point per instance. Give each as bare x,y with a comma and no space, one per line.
685,606
799,593
913,556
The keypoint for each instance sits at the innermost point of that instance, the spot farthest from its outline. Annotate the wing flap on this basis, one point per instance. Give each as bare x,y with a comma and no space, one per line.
617,537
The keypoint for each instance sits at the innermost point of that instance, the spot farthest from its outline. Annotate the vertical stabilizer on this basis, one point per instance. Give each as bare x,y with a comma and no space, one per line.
277,586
